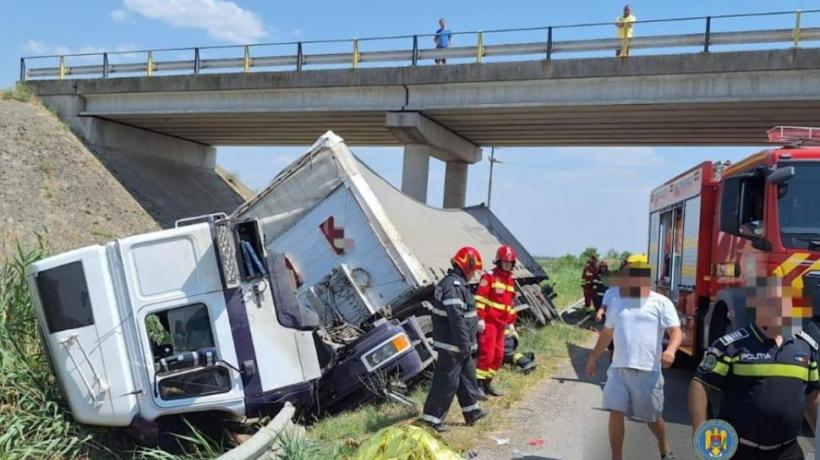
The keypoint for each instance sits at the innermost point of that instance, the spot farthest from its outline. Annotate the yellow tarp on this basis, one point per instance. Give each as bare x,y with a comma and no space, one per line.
405,442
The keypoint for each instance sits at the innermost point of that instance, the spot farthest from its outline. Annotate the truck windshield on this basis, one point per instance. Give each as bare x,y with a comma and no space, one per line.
799,207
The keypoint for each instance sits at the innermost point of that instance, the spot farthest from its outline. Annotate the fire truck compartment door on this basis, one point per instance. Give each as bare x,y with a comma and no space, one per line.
84,336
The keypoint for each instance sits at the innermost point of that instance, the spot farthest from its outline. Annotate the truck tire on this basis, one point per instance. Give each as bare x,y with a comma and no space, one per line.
541,302
533,310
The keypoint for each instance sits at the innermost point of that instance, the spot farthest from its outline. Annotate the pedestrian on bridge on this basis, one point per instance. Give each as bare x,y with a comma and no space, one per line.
443,39
637,320
625,25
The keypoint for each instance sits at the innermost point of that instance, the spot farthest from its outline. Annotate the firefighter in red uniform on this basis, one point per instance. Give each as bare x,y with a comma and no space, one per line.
587,280
494,302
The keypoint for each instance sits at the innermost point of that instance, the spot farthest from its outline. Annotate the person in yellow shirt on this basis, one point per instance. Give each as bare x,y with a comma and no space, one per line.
624,25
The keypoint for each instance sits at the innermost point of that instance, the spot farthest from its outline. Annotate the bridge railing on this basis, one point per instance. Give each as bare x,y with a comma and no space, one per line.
413,50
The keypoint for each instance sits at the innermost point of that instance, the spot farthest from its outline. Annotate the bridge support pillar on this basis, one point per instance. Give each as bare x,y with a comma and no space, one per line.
424,138
128,140
455,184
415,171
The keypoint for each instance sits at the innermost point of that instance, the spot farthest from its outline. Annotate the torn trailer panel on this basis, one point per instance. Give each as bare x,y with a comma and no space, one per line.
359,244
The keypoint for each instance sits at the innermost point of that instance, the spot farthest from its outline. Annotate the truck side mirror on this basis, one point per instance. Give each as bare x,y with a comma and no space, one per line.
781,175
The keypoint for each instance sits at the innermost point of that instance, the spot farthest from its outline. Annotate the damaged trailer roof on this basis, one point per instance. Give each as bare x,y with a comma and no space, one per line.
430,235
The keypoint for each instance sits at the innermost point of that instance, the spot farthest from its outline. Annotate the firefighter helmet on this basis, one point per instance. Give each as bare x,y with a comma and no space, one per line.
505,254
468,259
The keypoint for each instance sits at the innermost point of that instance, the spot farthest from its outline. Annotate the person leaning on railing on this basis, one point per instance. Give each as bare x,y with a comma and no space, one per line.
443,39
624,24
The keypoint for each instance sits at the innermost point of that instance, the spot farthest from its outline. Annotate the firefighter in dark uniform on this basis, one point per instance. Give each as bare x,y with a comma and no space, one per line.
455,330
767,373
599,286
587,278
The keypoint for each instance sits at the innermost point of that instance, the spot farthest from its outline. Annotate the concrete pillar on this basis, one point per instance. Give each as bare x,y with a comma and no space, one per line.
415,171
455,184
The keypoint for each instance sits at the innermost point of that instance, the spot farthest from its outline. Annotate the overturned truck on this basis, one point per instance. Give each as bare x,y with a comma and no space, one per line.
311,292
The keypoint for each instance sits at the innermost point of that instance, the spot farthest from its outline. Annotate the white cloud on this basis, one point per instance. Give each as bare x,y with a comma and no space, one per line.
223,20
35,47
119,15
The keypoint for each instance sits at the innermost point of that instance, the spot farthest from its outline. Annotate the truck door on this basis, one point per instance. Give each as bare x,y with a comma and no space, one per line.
184,333
78,311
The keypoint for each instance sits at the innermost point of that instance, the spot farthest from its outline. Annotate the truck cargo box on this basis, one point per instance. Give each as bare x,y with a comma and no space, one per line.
359,244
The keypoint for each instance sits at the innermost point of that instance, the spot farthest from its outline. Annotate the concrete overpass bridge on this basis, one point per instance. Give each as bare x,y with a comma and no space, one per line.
450,112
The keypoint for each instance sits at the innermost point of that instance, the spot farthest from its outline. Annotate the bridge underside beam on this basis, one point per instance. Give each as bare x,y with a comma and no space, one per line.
729,123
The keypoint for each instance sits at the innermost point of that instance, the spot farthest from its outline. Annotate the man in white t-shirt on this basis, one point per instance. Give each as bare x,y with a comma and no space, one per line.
637,321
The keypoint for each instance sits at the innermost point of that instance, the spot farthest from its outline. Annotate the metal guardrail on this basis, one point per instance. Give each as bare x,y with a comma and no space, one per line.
298,60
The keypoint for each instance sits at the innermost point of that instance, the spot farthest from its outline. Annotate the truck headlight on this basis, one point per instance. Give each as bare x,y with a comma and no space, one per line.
386,352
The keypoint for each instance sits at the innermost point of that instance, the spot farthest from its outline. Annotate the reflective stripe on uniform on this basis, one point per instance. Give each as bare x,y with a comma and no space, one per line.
431,419
814,375
446,346
437,311
721,368
452,302
481,374
499,285
470,408
771,370
497,305
471,314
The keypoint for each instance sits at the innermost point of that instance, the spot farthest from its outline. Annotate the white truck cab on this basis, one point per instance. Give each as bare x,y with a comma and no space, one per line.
166,323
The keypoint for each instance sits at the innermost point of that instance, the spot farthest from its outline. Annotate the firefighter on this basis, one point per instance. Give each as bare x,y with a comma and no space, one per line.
599,286
494,301
524,361
586,280
455,326
767,374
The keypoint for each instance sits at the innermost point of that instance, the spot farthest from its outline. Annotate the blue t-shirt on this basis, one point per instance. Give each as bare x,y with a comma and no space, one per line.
443,38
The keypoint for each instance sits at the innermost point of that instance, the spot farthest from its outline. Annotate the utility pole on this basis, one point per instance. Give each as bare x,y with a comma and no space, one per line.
493,161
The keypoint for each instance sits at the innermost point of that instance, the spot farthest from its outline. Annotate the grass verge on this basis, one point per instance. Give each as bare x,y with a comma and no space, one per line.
339,436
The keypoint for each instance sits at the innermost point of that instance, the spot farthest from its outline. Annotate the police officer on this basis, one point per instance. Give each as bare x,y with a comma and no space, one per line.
767,373
455,326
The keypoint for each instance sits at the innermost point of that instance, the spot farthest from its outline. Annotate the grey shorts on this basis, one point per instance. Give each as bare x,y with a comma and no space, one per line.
634,392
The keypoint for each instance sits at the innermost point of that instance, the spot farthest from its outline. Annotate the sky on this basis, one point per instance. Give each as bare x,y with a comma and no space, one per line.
555,200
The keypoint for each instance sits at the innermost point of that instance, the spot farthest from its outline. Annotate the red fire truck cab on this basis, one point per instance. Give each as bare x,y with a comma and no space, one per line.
717,226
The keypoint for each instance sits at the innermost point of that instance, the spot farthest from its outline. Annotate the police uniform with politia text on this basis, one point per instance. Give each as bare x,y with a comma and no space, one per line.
764,388
455,327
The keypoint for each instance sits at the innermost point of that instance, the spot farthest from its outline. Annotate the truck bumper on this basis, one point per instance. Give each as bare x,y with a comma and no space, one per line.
350,384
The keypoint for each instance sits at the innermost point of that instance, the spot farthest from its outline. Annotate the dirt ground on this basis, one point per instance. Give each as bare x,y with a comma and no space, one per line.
51,185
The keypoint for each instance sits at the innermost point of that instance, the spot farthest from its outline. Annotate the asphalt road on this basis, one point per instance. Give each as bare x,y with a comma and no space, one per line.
564,412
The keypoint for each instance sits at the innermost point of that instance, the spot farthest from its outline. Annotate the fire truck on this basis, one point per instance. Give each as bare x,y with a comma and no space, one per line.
716,227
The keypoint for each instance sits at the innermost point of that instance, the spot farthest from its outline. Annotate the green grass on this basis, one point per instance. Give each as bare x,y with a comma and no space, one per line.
20,92
565,277
35,424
